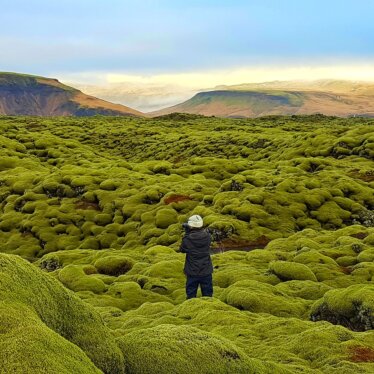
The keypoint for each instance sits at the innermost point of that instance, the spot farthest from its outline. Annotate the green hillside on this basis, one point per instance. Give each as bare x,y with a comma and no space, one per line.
27,80
95,205
322,85
258,101
333,98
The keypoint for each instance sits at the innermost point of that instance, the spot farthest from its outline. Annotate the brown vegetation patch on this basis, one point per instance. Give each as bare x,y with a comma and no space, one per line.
178,159
367,176
233,244
345,270
26,234
35,126
360,235
83,204
361,354
176,199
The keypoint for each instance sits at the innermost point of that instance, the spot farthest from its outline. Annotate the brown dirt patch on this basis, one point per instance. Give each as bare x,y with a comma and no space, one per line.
176,199
367,176
359,235
232,244
361,354
345,270
26,234
83,204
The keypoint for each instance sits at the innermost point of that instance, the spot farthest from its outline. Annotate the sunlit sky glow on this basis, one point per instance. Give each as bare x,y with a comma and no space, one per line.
230,76
192,43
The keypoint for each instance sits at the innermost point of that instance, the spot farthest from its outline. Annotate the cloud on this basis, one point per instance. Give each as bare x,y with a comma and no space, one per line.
154,91
201,79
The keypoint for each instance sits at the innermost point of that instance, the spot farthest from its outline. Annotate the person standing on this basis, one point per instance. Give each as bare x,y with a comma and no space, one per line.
198,266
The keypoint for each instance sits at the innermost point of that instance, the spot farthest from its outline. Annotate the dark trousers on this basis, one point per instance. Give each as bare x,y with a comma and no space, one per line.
193,282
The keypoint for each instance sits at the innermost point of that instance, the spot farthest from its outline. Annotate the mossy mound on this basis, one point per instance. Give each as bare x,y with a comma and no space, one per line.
52,315
307,289
184,349
352,307
28,346
75,278
114,265
165,218
297,345
258,297
65,184
99,203
291,271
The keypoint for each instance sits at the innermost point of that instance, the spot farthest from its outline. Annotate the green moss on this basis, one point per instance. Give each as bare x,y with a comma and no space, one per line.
313,256
346,260
8,163
366,256
159,250
147,217
9,221
352,307
107,240
128,295
69,203
90,243
109,185
166,217
306,289
35,308
74,277
103,219
291,271
167,239
114,265
148,351
147,234
227,275
369,239
331,213
166,269
29,346
162,168
263,298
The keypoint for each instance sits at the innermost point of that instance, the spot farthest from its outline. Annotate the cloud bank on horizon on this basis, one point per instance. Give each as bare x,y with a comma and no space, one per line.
167,38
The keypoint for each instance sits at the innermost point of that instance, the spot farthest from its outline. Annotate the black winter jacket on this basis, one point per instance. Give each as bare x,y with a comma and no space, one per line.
196,245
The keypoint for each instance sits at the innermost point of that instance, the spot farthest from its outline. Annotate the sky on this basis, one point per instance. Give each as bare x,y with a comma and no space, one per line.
191,43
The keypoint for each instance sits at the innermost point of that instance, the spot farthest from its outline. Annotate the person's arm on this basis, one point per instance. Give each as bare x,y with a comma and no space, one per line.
183,247
211,252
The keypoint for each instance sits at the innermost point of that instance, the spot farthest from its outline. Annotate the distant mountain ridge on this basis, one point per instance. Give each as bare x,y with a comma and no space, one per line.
329,97
22,94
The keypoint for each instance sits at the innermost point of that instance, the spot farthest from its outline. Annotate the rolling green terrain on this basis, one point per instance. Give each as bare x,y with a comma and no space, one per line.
94,207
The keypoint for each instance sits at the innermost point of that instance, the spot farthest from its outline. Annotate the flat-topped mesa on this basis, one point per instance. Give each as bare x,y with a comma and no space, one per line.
328,97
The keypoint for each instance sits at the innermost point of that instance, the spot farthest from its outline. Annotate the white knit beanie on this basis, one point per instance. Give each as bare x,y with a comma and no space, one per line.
195,221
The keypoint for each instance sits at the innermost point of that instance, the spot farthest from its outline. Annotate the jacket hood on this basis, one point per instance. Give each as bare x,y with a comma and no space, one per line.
199,238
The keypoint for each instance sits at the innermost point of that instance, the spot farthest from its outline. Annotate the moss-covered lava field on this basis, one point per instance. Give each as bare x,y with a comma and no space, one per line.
91,210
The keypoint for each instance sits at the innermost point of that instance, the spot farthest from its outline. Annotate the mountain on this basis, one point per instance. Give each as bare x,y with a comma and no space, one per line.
329,97
22,94
325,85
